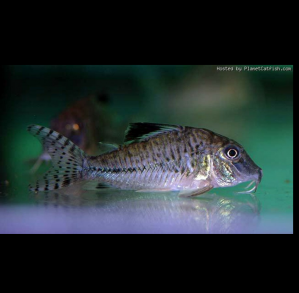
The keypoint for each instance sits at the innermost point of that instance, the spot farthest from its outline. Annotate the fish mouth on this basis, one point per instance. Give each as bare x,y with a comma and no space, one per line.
256,183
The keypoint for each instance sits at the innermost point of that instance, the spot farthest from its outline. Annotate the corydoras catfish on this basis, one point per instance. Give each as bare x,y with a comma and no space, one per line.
154,157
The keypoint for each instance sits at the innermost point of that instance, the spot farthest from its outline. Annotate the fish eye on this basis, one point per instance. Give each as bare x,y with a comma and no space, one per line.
232,152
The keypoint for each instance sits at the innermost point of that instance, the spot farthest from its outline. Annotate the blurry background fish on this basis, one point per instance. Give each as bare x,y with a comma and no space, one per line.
86,122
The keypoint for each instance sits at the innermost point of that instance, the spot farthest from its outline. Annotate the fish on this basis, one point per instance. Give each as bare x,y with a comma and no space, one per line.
153,158
85,123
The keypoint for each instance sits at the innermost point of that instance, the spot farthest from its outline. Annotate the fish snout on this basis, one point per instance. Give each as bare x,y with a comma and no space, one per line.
256,181
260,175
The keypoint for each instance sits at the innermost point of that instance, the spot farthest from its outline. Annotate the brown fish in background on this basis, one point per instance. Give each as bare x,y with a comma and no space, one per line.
154,157
86,123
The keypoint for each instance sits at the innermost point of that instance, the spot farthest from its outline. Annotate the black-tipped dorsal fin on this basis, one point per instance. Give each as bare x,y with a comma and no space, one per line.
140,131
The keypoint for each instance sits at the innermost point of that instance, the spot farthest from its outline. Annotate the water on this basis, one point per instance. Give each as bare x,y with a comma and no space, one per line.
129,212
256,110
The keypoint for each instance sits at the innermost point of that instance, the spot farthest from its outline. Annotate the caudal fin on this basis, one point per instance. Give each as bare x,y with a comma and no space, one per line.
67,159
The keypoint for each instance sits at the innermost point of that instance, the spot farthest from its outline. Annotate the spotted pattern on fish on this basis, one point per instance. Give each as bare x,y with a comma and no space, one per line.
153,157
67,159
160,161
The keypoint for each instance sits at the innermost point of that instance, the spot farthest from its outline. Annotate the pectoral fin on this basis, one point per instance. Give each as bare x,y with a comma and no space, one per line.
155,190
195,192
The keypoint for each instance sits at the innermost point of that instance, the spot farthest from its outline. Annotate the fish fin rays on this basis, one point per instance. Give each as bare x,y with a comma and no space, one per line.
154,190
107,147
137,132
195,192
67,160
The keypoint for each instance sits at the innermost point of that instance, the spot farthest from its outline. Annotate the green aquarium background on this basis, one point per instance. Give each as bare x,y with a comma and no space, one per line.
255,108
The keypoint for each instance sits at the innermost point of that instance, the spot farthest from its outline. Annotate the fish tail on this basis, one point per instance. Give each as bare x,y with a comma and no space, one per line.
67,160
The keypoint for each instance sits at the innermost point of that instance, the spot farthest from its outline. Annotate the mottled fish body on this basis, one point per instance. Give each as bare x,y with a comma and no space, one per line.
154,157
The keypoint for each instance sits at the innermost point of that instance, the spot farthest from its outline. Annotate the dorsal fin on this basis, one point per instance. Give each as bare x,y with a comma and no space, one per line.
140,131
